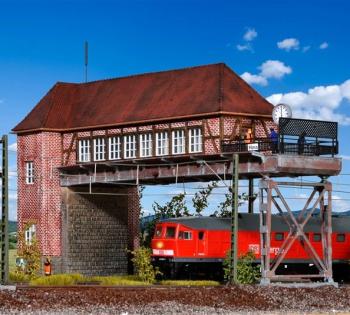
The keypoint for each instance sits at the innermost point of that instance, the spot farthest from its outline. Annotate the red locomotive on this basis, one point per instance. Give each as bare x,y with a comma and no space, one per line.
203,242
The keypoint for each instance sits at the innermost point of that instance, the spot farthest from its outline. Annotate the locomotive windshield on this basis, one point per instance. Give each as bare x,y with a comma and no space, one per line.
170,232
158,231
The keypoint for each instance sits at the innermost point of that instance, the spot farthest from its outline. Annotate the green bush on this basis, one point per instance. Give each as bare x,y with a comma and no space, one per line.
19,277
144,269
247,271
30,252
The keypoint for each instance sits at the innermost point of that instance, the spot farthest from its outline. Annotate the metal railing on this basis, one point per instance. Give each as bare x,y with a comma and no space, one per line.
285,145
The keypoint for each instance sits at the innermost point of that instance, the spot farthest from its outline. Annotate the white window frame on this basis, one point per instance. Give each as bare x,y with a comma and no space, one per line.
162,143
84,154
195,140
29,234
99,149
130,146
145,144
178,141
114,148
29,172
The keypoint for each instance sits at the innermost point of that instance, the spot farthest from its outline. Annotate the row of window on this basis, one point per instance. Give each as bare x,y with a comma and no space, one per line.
126,146
279,236
316,237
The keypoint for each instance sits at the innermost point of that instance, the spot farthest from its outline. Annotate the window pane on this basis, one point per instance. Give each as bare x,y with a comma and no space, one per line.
178,146
99,149
195,140
84,150
130,146
170,232
340,237
158,231
162,143
29,169
146,145
317,237
279,236
114,148
30,234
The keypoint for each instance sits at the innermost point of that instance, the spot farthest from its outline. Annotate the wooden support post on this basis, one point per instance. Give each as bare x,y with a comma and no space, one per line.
4,214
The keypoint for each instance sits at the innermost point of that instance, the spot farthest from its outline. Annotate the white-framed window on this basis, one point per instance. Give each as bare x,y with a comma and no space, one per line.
99,149
114,148
145,144
29,234
130,146
178,143
162,143
84,150
195,140
30,172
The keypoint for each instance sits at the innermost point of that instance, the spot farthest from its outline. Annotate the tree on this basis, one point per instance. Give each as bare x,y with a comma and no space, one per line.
174,208
200,199
30,253
225,207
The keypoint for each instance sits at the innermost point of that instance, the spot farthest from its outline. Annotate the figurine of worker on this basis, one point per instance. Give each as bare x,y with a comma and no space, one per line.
47,267
274,140
301,143
248,138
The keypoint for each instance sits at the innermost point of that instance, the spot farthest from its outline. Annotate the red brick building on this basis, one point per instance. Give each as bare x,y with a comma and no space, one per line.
149,117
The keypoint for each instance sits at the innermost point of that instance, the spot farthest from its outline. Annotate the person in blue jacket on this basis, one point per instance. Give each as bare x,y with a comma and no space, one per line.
274,140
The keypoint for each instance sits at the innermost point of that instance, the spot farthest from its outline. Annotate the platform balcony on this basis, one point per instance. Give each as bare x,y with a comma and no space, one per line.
296,137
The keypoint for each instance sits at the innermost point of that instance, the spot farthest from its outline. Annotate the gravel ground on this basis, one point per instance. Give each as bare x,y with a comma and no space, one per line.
180,300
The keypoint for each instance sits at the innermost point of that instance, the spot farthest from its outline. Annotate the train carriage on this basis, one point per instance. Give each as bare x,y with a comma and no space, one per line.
202,243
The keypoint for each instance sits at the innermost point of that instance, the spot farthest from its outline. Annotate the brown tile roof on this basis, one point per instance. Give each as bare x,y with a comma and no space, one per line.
198,91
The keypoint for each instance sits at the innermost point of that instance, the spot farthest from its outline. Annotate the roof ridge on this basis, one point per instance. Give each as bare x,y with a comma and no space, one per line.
145,74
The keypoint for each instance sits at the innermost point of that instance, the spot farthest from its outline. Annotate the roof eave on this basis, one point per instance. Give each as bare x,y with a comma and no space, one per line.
141,122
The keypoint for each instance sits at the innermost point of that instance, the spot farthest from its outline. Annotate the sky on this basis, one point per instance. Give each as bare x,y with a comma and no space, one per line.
290,51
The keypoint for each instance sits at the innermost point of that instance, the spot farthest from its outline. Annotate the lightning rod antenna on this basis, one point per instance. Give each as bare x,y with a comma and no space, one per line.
86,60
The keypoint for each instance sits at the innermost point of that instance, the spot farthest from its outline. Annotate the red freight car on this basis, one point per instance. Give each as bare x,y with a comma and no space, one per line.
202,242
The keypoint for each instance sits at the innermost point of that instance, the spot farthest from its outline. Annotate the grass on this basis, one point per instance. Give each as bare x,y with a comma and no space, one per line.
73,279
58,280
118,280
18,277
190,282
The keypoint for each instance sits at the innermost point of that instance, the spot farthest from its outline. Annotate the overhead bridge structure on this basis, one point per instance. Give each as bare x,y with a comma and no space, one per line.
317,159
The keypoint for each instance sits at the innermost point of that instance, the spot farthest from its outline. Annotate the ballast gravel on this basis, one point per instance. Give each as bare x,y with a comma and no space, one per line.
243,299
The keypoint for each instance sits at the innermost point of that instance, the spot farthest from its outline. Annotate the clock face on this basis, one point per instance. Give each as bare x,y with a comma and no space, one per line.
281,110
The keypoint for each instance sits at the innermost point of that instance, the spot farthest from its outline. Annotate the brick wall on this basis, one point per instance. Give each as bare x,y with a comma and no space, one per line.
40,202
98,229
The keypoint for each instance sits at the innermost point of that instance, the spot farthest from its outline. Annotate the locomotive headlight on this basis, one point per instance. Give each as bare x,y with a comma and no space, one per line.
159,244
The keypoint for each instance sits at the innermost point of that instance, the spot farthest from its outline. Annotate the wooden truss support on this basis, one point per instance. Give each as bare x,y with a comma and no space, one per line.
321,197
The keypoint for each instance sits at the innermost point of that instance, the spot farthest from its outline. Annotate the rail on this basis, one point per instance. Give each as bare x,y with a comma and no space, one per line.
287,145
